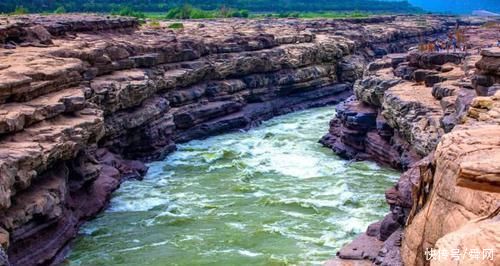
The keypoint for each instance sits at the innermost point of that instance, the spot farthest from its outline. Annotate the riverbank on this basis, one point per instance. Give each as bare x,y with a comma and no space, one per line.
436,115
84,97
270,195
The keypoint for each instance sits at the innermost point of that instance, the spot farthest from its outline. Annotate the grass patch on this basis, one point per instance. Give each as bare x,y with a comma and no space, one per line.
20,10
189,12
155,24
128,12
176,25
60,10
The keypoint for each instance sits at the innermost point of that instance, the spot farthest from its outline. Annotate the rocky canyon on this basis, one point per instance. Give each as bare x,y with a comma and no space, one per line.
86,101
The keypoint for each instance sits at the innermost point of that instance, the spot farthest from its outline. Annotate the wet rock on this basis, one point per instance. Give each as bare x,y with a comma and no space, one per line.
373,229
353,120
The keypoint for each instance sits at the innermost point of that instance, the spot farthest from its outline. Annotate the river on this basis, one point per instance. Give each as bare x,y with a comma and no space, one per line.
268,196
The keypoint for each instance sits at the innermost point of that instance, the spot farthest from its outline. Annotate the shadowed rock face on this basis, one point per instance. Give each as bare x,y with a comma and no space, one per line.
437,116
82,96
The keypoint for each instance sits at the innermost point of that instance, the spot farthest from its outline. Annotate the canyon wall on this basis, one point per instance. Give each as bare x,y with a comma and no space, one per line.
85,100
435,115
460,205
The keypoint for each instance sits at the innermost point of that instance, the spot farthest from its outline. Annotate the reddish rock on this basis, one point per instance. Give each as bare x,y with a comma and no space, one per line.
78,94
449,199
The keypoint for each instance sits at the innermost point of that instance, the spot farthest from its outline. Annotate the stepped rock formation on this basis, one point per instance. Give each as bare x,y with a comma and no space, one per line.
437,116
82,98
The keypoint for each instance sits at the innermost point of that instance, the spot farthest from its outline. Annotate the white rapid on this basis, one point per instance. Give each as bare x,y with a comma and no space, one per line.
268,196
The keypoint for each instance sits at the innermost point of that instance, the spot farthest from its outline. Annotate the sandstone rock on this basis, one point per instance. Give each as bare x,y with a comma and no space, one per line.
390,254
77,88
444,89
404,71
4,238
415,113
346,262
424,75
351,68
40,34
57,215
379,64
477,238
388,226
196,114
37,148
449,199
371,89
489,61
16,116
428,60
363,247
461,187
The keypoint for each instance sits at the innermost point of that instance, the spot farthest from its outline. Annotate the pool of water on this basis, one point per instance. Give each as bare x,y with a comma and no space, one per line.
268,196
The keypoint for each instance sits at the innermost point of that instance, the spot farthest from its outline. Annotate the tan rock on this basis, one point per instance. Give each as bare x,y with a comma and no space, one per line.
4,238
464,188
475,243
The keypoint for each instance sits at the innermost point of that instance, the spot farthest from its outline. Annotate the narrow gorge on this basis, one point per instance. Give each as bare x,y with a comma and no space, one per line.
87,102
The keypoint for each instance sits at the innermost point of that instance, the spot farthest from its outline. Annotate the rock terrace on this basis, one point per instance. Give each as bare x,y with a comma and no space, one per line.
435,115
83,97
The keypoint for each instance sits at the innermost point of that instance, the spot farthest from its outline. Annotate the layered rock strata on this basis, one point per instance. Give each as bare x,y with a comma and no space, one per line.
460,207
427,112
396,116
82,96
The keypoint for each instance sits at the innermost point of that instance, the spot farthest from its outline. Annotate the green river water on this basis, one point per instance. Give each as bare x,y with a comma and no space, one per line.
268,196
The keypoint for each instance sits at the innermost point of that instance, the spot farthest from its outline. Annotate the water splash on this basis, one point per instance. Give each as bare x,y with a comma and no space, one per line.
269,196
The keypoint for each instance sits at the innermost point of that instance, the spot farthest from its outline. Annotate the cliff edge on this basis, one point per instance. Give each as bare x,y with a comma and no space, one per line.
434,114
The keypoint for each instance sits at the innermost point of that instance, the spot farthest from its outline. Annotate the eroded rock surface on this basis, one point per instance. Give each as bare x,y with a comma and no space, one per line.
81,97
461,210
445,109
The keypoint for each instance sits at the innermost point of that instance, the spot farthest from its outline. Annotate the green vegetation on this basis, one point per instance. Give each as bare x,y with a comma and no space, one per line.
129,12
154,24
211,8
355,14
60,10
189,12
312,15
176,25
20,10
